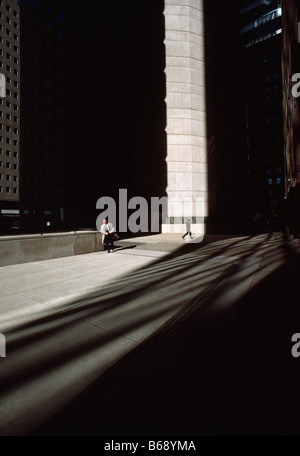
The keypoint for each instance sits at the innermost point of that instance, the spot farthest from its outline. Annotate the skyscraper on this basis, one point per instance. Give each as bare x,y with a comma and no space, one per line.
42,115
226,187
261,36
110,123
9,114
291,92
135,110
115,111
147,99
260,21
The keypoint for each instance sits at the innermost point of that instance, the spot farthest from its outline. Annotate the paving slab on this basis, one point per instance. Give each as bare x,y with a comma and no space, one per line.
220,366
49,361
67,321
47,343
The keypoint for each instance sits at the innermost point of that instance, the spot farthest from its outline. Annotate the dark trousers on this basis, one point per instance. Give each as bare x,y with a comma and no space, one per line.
188,232
109,241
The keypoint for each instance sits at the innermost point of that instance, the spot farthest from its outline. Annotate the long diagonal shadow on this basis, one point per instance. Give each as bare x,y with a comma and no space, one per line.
122,289
180,265
117,294
214,371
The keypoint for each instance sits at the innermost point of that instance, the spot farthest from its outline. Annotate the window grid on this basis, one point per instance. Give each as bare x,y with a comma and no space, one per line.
9,112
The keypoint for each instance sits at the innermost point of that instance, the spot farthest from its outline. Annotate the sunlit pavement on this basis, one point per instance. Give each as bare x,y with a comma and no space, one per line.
162,336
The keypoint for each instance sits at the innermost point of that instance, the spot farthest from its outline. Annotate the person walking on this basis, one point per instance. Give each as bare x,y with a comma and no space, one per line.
293,209
188,229
107,230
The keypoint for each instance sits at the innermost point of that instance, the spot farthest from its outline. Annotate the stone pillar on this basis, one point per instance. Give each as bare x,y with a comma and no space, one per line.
186,116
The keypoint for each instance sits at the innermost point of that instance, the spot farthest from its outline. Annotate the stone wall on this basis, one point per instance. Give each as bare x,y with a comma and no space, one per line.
27,248
186,115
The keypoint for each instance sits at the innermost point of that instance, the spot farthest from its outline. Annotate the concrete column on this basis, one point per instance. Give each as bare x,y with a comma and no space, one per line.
186,116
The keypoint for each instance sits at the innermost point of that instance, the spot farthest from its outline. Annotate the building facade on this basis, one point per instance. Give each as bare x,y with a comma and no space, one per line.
291,98
181,98
42,164
9,114
261,109
155,116
205,169
186,116
93,121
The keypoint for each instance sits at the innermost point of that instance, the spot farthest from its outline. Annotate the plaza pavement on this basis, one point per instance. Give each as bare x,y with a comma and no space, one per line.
91,346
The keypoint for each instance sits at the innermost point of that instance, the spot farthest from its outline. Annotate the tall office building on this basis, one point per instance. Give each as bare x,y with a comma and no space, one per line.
9,114
227,203
147,99
261,38
141,111
204,163
115,109
42,164
92,122
186,116
150,109
260,21
291,89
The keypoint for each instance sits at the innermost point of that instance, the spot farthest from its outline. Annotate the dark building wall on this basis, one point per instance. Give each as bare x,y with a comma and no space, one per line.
9,115
226,163
244,113
115,112
93,110
261,110
42,166
291,104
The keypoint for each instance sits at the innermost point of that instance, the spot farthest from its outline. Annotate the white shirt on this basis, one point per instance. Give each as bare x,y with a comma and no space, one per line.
106,227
